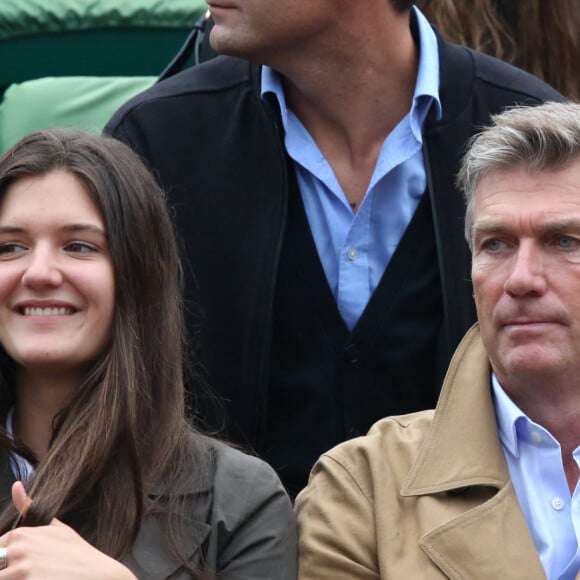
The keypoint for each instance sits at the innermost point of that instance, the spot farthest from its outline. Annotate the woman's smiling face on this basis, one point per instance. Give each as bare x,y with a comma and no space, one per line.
57,285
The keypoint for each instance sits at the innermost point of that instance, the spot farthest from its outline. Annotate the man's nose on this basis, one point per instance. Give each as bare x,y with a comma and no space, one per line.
527,275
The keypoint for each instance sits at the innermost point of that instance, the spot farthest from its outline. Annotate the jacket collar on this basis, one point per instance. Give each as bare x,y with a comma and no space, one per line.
150,557
462,455
464,413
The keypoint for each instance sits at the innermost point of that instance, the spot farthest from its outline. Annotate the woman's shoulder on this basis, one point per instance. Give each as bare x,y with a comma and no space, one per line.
238,510
254,529
207,465
238,476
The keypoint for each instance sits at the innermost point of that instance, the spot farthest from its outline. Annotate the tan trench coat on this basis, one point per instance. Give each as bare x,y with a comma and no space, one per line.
422,496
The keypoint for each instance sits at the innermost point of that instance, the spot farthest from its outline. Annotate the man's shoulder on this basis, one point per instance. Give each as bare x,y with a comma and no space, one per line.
222,74
218,74
398,437
505,76
473,83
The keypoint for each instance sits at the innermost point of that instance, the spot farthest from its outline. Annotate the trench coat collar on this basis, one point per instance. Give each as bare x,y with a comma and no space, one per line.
462,447
462,453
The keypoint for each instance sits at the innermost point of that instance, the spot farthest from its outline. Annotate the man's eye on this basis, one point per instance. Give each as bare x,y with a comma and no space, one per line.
567,243
492,245
11,248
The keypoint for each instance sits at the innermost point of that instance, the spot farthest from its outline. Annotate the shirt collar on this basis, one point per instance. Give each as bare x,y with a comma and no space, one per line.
514,426
20,466
426,86
507,415
272,83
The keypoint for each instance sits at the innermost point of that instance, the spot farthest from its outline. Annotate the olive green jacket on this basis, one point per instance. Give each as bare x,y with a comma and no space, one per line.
239,523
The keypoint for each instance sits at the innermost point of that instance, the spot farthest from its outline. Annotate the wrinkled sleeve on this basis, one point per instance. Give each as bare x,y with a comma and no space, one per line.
261,542
336,525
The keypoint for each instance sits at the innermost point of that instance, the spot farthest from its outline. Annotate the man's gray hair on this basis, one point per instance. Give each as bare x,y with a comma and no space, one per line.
544,137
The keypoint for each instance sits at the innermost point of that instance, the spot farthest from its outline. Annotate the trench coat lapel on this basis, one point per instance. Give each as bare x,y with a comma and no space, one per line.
462,454
486,542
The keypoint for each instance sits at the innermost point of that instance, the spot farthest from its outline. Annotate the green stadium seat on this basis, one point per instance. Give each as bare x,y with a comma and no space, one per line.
91,37
84,102
74,62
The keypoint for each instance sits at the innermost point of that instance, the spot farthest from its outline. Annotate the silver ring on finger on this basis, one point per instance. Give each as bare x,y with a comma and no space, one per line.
3,558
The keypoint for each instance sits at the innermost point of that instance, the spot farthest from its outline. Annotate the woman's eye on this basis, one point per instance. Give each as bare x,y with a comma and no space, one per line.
80,248
8,249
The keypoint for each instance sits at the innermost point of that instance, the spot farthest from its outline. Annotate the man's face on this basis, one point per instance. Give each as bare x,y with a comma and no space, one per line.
526,272
263,31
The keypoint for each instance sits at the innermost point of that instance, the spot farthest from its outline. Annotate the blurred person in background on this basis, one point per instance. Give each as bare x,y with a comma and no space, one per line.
542,37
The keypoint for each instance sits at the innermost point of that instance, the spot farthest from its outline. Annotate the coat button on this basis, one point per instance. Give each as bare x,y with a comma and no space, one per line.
352,354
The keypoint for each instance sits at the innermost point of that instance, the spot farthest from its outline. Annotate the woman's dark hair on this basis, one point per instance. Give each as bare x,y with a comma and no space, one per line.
125,432
542,37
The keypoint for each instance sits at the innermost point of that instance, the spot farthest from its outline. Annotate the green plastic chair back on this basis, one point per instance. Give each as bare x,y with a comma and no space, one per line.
83,102
41,38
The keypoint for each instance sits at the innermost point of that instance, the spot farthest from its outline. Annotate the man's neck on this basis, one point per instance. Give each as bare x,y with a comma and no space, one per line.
350,98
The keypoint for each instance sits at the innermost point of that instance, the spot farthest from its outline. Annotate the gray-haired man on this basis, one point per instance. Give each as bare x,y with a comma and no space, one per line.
486,486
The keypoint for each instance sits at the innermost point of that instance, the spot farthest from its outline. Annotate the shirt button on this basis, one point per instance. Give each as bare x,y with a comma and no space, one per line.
558,503
352,254
536,436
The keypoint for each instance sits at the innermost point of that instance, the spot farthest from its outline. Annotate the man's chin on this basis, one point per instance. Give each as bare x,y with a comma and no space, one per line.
532,360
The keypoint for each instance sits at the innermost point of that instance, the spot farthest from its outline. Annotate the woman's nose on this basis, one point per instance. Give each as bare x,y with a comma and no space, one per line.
43,268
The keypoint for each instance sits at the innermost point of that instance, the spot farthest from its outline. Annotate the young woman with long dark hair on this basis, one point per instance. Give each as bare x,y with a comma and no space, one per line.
111,478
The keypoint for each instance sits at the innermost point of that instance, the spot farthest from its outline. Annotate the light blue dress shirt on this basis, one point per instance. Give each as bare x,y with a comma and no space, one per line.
355,249
20,466
535,465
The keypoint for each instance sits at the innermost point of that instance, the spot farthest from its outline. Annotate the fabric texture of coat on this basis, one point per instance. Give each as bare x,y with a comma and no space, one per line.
426,495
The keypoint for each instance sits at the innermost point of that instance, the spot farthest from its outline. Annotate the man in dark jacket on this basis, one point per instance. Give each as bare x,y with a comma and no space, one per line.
311,173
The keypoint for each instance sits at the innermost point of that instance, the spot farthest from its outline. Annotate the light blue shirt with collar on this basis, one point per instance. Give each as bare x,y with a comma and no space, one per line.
355,248
21,468
535,465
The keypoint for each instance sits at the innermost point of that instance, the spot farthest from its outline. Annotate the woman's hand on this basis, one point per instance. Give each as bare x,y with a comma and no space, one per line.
53,551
